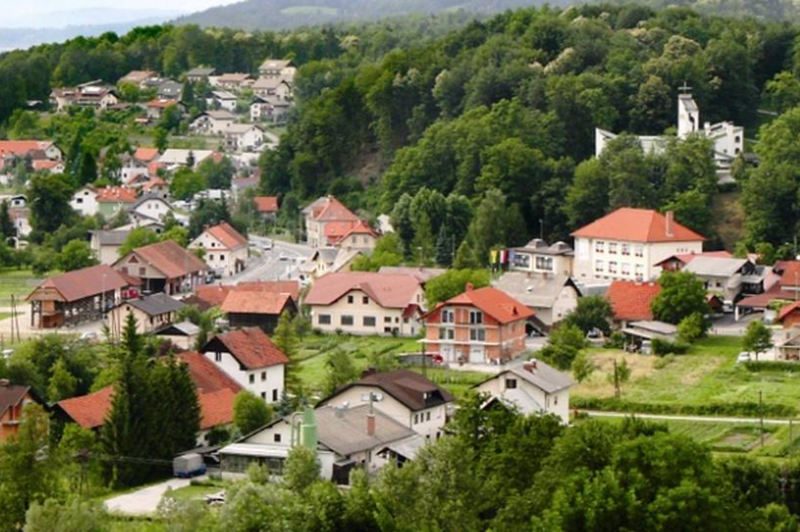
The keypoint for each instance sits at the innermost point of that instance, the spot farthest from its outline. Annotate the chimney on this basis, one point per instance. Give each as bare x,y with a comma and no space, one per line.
530,366
370,424
670,216
469,288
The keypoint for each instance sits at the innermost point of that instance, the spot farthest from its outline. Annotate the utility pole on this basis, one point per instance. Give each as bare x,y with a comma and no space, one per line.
617,393
761,415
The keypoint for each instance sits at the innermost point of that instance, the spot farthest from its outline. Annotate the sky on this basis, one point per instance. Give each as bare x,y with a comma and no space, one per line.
14,10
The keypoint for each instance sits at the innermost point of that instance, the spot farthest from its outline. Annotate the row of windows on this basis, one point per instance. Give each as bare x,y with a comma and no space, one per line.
476,335
364,300
252,375
422,417
623,249
614,267
475,316
348,320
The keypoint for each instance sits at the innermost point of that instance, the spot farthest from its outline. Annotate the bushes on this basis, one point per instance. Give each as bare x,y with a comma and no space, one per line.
744,409
772,365
665,347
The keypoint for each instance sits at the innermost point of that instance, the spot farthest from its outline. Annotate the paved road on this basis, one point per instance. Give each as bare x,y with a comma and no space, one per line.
270,267
710,419
144,501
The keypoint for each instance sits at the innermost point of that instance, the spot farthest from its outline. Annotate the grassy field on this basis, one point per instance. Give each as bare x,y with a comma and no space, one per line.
707,375
314,351
18,283
194,492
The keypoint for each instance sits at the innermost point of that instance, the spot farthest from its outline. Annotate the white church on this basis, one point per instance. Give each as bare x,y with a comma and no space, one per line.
728,138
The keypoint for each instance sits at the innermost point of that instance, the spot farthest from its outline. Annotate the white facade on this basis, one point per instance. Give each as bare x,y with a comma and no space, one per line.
266,383
244,138
208,125
357,313
597,258
84,202
529,398
220,259
155,208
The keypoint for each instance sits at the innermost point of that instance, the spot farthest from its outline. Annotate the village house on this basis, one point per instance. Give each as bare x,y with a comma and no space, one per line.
78,296
225,250
270,109
48,166
277,87
629,244
156,187
105,244
155,108
406,396
137,78
13,400
540,258
729,278
94,94
676,263
366,303
151,206
535,388
112,200
267,207
213,122
224,100
631,300
151,313
244,308
21,218
423,273
175,158
199,74
244,137
169,89
136,168
323,212
251,359
213,295
278,68
182,335
480,326
552,297
164,267
781,286
233,82
84,201
347,236
329,260
37,151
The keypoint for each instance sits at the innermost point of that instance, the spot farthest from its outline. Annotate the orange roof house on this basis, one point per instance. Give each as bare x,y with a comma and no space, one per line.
13,400
484,325
146,155
225,250
164,267
266,204
257,309
324,212
116,195
206,297
631,301
638,225
251,347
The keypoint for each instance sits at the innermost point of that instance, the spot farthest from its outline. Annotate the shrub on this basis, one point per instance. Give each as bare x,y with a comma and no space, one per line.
665,347
615,341
743,409
772,365
663,362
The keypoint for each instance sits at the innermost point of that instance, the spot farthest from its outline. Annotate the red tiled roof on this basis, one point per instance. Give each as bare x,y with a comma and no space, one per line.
637,225
145,154
83,283
631,300
788,309
227,235
330,209
791,273
11,395
169,258
267,204
338,231
89,411
45,164
250,302
206,375
214,295
22,147
116,195
389,291
153,183
216,408
493,302
776,293
251,347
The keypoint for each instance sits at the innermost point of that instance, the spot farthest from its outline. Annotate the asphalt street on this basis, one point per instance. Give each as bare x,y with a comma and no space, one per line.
281,263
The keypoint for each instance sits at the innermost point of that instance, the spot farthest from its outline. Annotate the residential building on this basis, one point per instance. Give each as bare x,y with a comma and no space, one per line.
164,267
78,296
111,200
535,388
629,244
137,78
345,235
199,74
789,315
224,249
676,263
84,201
244,137
209,296
277,87
631,301
424,274
552,297
105,245
155,108
169,89
251,359
540,258
224,100
329,260
233,82
277,68
13,400
48,166
33,150
213,122
244,308
156,187
175,158
366,303
727,138
182,335
405,396
480,326
781,286
240,185
152,206
94,94
151,313
324,211
267,207
270,109
729,278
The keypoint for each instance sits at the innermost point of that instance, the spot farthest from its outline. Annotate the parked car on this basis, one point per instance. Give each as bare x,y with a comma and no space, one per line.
266,245
188,465
744,356
283,256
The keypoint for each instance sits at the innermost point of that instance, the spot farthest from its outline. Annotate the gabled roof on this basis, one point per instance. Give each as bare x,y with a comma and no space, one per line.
408,387
388,291
329,209
242,302
251,347
344,430
11,395
686,258
162,103
338,231
788,309
21,148
89,411
169,258
110,237
422,273
275,64
83,283
630,300
216,408
637,225
535,291
715,266
266,204
540,247
150,197
493,302
207,376
542,375
156,304
791,273
201,71
226,235
214,295
116,195
235,77
220,114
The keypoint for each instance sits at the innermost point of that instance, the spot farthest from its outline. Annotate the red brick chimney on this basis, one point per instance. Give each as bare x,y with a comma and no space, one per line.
670,217
530,366
469,288
370,424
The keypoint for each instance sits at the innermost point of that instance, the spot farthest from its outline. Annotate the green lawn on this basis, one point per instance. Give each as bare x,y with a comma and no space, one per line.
314,350
707,375
194,492
18,283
